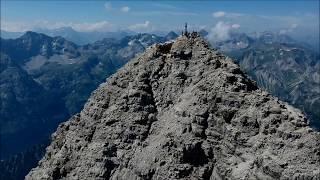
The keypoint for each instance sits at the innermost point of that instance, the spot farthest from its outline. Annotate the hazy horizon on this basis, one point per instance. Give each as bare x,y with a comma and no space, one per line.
299,19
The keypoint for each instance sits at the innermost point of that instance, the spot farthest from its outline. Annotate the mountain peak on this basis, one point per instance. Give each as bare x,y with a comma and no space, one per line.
203,33
33,35
171,35
182,111
33,44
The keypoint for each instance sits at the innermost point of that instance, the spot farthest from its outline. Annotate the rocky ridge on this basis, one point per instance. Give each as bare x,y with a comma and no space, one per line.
182,111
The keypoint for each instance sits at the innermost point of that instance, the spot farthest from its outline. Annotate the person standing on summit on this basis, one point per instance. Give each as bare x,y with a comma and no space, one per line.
186,30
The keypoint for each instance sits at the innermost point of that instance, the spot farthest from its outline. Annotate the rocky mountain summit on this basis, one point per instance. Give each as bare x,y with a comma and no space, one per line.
182,111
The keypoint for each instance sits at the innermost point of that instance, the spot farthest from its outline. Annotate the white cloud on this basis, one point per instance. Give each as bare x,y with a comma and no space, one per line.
235,26
221,31
125,9
170,13
201,27
293,26
102,26
289,30
15,26
218,14
141,27
283,31
108,6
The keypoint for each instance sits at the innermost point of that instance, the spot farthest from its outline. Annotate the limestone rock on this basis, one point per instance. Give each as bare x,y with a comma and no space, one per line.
182,111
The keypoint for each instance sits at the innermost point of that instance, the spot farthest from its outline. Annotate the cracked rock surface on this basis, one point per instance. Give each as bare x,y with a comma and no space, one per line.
182,111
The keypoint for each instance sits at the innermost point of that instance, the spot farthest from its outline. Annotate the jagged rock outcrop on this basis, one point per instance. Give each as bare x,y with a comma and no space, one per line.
182,111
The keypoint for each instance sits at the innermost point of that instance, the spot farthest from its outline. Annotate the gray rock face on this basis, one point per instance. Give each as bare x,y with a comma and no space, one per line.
182,111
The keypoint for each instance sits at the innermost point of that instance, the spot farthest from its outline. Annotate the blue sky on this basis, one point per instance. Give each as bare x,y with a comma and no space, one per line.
145,16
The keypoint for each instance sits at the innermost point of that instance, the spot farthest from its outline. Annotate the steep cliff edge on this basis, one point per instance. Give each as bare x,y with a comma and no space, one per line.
182,111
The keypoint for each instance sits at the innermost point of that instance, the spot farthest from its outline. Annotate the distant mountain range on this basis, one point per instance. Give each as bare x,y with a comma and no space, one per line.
286,68
82,38
10,35
77,37
47,79
70,34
